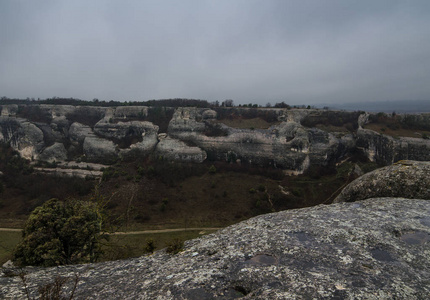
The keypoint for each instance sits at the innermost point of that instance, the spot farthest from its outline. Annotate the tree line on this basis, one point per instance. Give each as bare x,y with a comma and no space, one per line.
174,102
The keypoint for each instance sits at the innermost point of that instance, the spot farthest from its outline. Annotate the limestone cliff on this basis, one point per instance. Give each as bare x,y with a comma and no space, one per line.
105,134
24,136
387,150
288,145
179,151
373,249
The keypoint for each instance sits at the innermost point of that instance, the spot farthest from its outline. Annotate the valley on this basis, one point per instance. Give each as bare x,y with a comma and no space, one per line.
159,168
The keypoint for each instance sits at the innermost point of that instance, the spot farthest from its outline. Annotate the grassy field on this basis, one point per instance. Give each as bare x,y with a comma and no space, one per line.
204,200
134,245
254,123
332,128
399,132
219,199
8,241
117,247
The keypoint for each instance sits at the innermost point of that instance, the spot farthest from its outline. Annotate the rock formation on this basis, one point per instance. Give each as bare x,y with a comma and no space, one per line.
372,249
105,134
407,179
78,132
288,145
173,149
22,135
387,150
56,152
98,149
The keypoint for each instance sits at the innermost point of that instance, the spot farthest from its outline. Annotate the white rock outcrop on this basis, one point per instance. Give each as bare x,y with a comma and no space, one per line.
172,149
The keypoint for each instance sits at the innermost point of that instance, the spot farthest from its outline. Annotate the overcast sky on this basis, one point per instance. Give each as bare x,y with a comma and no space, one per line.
300,52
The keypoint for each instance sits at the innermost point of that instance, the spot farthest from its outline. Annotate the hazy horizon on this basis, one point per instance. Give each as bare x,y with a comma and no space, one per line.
301,52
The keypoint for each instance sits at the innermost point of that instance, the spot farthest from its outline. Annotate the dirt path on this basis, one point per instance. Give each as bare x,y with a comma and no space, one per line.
142,231
10,229
166,230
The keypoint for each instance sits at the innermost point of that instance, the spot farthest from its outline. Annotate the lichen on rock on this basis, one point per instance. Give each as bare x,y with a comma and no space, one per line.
406,178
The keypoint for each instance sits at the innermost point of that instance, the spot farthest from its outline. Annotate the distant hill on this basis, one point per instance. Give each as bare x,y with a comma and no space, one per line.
412,106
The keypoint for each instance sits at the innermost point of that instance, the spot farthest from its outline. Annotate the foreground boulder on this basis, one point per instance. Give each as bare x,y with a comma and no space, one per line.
406,178
374,249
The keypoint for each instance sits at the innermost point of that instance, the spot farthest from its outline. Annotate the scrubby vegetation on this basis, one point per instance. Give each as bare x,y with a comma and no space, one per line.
160,116
333,120
176,102
33,113
24,189
216,194
208,194
85,116
60,233
247,118
400,125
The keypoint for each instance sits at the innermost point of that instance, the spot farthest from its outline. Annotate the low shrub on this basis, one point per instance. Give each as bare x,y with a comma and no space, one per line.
175,246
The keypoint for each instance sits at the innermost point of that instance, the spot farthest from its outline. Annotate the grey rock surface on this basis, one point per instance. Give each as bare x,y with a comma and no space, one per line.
373,249
97,149
122,130
66,110
8,110
387,150
74,169
186,119
209,114
288,145
58,110
22,135
408,179
63,172
60,125
130,112
172,149
56,152
146,146
78,132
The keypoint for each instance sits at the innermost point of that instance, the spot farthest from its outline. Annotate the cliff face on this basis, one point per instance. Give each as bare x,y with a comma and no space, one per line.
23,135
387,150
96,134
288,145
104,134
373,249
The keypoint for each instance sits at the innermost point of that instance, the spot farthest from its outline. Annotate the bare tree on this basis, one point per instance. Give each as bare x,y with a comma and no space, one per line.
228,103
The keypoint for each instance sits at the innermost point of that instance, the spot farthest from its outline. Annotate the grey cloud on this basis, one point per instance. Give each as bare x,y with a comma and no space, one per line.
250,51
